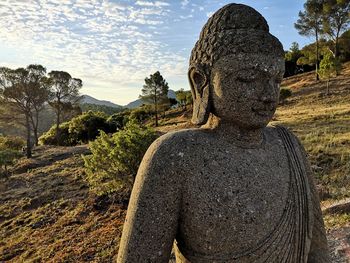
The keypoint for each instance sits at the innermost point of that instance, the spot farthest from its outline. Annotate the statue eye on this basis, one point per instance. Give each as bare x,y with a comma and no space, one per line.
245,79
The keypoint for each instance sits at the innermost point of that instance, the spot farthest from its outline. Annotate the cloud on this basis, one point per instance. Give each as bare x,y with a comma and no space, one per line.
108,45
148,3
186,17
184,3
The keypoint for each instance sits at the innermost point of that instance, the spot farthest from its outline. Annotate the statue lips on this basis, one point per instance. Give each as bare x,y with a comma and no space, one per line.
264,108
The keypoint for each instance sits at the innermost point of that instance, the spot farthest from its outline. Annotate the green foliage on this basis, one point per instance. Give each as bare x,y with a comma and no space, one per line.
294,53
329,66
7,158
86,127
140,114
155,92
308,52
64,93
284,94
336,19
118,120
114,160
309,22
11,142
101,108
63,139
184,97
10,147
81,129
24,92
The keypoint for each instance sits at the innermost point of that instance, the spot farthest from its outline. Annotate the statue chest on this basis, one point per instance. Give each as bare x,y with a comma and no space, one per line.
234,199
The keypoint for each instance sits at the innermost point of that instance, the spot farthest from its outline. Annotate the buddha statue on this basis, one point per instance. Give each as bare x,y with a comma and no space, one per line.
235,189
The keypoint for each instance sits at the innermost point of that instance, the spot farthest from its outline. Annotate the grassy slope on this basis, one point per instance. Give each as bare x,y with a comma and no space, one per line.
323,124
48,215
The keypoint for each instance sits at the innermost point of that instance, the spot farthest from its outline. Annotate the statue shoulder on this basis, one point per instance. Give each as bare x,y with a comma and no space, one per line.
281,131
169,151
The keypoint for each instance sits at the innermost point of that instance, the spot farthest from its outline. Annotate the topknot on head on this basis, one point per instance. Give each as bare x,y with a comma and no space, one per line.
233,29
234,17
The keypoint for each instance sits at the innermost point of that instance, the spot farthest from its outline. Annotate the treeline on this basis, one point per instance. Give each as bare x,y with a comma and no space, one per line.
328,22
24,93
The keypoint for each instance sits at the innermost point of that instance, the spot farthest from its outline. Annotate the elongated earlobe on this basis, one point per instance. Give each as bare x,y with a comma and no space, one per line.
200,93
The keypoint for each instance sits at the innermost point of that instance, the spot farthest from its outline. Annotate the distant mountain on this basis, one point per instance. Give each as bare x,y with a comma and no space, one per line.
137,103
91,100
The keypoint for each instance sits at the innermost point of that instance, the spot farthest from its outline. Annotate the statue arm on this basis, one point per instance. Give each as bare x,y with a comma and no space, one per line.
151,221
319,252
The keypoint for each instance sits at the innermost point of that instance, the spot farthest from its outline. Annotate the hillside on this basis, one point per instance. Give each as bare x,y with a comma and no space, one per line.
47,213
91,100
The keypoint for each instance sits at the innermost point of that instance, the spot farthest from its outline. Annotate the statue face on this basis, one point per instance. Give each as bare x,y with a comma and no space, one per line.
245,88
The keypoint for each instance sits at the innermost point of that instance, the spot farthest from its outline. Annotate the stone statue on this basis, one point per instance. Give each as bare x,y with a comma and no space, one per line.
234,190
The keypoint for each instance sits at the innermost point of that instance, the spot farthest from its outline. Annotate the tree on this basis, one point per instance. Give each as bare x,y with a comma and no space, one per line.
65,91
155,92
181,97
336,18
294,53
41,92
329,67
184,97
20,90
310,23
291,57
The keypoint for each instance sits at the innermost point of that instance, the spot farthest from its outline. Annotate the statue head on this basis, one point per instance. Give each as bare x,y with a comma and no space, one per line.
235,69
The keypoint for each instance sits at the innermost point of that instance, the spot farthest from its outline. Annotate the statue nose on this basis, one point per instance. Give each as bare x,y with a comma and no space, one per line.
269,93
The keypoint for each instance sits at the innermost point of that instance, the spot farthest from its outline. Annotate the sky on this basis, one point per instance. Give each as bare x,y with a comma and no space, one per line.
113,45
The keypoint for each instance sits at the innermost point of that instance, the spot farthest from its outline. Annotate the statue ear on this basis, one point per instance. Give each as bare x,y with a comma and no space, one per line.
200,93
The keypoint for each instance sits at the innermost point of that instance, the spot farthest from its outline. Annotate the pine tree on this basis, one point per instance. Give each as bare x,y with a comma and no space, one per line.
155,92
310,24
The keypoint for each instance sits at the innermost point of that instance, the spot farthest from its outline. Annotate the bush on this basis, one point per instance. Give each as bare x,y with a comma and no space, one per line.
284,94
11,142
81,129
119,120
85,127
64,138
10,150
114,160
140,114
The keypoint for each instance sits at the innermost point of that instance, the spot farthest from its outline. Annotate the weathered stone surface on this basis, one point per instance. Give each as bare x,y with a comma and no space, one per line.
234,190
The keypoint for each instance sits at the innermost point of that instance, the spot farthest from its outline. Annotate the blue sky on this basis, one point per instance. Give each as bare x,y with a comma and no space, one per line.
112,45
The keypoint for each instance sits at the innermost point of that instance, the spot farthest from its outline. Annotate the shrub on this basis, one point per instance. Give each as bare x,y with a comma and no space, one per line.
81,129
10,147
7,158
140,114
284,94
119,120
11,142
114,160
64,138
86,127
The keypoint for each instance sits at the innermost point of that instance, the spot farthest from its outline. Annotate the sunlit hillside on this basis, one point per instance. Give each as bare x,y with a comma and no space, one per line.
48,214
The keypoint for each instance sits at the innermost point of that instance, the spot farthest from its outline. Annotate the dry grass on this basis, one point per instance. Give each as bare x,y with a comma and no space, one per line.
48,214
322,123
